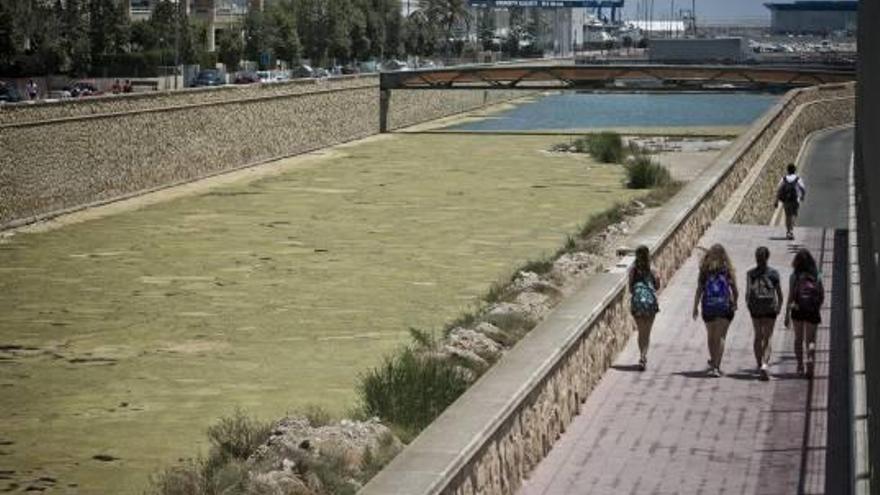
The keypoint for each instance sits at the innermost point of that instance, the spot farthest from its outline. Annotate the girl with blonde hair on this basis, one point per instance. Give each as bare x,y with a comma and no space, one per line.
716,296
643,287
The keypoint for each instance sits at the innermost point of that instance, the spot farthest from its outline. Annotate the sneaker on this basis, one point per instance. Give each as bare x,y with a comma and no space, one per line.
762,373
643,364
789,236
715,373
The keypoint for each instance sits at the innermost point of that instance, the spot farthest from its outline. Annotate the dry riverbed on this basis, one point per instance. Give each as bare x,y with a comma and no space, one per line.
123,336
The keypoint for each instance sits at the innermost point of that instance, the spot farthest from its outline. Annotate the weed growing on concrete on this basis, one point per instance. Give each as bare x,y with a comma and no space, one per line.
233,439
644,173
411,389
540,266
317,416
237,436
606,147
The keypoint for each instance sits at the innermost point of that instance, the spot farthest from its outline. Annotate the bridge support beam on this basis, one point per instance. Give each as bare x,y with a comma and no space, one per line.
384,103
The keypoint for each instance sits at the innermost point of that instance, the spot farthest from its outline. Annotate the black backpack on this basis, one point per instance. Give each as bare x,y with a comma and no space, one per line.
788,193
762,295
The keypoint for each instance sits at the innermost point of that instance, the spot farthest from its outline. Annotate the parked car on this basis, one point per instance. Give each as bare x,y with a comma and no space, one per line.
394,65
81,88
247,77
349,69
320,73
9,93
209,77
302,71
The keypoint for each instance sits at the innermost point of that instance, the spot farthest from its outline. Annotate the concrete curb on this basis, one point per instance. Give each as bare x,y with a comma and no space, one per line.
861,453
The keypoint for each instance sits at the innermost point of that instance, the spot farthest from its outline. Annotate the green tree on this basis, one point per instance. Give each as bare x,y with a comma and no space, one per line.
108,27
312,28
259,37
450,16
75,33
486,28
516,31
230,47
420,35
286,45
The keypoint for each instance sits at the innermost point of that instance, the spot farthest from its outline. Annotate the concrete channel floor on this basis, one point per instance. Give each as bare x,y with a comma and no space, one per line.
672,430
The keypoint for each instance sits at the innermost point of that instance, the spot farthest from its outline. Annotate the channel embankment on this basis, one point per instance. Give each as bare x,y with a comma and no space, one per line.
491,438
61,156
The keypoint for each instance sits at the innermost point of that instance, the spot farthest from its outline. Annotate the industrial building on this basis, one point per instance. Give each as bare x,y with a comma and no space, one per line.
813,17
698,50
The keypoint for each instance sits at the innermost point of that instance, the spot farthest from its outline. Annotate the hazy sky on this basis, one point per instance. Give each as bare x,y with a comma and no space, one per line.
708,9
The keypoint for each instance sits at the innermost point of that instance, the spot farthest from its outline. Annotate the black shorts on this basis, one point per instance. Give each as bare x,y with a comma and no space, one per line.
791,209
728,317
808,316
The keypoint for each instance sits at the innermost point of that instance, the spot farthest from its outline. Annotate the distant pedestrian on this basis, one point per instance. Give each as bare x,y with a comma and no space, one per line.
32,90
805,297
764,300
116,88
791,193
643,286
127,88
716,296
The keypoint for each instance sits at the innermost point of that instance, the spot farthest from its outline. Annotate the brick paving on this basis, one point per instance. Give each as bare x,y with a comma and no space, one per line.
673,430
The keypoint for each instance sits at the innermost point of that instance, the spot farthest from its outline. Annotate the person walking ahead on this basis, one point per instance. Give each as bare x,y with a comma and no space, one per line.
805,297
764,299
716,295
643,286
791,193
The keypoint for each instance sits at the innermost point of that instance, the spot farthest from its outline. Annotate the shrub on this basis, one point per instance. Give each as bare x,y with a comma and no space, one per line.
644,173
411,390
539,267
237,436
607,147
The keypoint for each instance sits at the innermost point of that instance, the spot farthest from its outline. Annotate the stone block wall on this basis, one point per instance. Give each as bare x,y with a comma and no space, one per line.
409,107
60,157
80,107
497,455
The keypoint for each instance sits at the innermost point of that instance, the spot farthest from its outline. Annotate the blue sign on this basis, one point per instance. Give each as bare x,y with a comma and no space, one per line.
551,4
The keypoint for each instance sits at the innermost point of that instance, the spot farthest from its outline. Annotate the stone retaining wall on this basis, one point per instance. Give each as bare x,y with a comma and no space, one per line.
78,107
495,434
93,151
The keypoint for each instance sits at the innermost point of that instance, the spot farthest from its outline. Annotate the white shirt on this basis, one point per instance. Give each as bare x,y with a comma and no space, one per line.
801,188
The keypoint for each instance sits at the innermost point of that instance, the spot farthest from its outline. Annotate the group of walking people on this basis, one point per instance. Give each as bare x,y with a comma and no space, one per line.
716,300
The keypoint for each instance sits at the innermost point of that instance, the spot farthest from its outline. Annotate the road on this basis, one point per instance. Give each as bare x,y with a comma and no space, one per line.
825,168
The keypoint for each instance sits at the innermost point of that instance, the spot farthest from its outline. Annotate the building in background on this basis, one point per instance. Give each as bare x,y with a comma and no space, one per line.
216,14
813,17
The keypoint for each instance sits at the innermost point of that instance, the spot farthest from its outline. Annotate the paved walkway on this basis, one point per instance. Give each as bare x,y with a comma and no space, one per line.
672,430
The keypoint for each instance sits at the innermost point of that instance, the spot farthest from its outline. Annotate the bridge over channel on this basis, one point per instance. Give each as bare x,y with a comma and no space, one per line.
655,77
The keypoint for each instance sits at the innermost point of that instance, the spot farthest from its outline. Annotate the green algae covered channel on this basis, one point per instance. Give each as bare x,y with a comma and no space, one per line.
122,338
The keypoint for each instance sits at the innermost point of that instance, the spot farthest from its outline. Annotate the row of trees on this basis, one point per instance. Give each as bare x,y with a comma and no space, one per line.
97,37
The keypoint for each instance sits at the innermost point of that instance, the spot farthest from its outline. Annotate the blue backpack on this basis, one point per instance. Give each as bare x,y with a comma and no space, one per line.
644,298
716,296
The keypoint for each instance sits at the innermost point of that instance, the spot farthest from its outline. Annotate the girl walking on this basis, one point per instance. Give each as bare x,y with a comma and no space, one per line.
805,297
643,286
764,299
716,295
